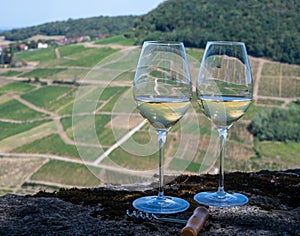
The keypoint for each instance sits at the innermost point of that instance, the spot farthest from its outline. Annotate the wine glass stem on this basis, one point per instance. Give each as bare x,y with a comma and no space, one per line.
162,135
222,135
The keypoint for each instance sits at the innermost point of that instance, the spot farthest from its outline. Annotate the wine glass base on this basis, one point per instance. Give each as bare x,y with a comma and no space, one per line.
160,205
216,199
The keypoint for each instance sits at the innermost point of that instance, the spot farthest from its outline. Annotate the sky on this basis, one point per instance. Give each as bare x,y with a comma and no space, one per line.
18,13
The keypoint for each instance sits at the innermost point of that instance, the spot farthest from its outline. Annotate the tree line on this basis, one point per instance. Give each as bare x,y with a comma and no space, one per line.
277,124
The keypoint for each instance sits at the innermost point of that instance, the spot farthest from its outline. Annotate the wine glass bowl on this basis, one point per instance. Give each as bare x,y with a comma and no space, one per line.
162,90
224,91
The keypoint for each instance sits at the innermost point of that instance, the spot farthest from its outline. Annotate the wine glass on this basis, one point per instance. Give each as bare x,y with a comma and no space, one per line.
162,90
224,92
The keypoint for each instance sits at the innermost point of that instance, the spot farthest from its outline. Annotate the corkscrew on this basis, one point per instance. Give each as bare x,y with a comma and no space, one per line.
192,226
153,217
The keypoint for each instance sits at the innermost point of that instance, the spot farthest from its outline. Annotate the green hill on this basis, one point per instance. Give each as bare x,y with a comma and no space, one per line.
270,28
92,26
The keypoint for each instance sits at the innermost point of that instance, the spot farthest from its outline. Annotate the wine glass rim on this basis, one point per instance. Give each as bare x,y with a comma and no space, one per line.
226,42
163,42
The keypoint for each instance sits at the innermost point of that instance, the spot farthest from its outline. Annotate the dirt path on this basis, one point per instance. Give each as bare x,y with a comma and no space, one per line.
52,115
33,107
280,81
258,76
116,169
57,53
48,183
38,132
114,46
62,133
257,79
27,178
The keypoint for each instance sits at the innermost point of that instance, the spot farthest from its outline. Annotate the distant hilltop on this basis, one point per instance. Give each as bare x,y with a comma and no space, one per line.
92,27
4,29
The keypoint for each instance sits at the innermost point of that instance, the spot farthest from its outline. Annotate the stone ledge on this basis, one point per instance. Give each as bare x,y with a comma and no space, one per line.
273,208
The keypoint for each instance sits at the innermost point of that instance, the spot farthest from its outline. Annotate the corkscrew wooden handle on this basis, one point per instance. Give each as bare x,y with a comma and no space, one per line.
195,222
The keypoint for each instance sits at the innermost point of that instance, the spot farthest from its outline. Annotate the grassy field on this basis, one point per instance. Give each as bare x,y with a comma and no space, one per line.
70,50
15,110
100,121
40,55
49,97
133,162
114,97
181,164
105,134
42,72
16,87
27,136
70,74
51,144
10,129
15,170
121,61
90,58
283,78
11,73
71,174
118,39
286,152
43,123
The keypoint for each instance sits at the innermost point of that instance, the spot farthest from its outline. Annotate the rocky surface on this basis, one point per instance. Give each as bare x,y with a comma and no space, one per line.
273,208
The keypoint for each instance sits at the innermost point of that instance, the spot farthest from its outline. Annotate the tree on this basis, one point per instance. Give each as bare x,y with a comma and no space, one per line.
276,124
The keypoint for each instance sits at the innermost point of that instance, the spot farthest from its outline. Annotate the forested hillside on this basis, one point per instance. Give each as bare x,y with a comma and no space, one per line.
72,28
270,28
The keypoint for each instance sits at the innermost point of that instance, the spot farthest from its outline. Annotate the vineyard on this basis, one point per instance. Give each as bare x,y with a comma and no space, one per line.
64,115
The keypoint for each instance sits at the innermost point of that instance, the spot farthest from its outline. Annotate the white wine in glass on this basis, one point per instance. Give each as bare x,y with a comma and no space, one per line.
162,90
224,92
